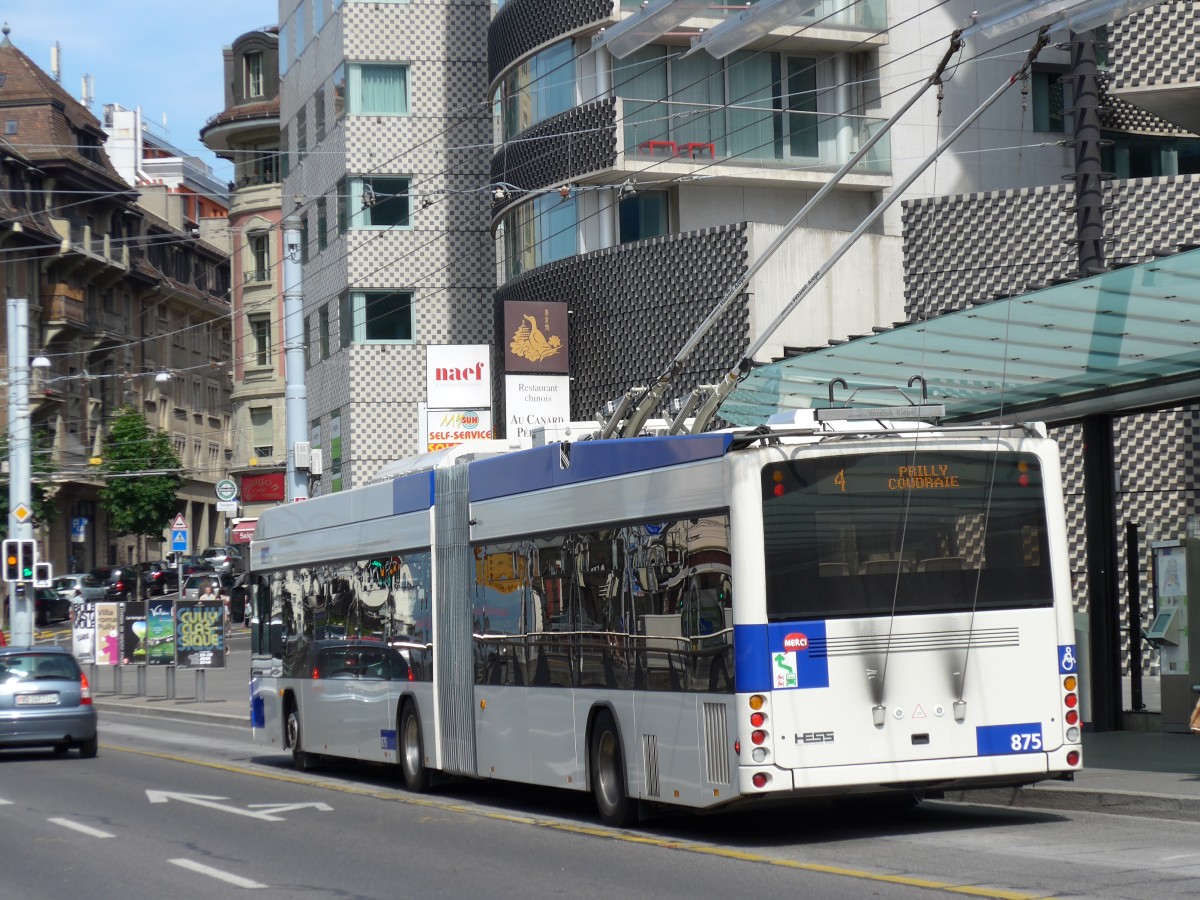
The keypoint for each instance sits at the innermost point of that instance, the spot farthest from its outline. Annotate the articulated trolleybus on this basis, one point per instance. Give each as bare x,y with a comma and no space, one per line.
810,609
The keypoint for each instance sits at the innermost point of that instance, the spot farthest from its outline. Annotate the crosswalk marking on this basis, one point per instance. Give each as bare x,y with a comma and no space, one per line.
227,877
81,828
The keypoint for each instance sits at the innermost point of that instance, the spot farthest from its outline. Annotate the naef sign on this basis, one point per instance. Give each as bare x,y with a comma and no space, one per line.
458,376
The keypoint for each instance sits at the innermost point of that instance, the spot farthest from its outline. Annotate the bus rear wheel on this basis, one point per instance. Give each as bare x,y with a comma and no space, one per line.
301,758
412,751
616,808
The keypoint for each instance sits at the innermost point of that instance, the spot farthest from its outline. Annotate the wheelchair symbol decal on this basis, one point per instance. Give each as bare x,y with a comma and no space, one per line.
1066,658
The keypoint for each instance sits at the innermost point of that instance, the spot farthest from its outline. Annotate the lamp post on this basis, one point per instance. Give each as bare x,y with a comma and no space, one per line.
20,457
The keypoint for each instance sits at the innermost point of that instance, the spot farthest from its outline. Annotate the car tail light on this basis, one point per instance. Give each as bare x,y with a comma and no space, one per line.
85,691
316,673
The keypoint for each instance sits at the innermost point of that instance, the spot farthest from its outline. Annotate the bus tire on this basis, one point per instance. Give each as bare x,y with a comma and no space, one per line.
412,750
607,764
301,758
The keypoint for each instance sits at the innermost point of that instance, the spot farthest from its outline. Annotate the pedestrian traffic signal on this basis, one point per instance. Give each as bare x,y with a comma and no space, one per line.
20,558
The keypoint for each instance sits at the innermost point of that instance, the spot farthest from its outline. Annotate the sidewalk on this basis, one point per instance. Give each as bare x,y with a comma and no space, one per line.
1144,773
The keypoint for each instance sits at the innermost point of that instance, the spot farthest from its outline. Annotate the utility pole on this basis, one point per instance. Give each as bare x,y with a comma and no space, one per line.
295,391
20,463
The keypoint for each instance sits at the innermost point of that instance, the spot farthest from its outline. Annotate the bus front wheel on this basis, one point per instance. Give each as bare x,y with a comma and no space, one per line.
616,808
412,752
301,758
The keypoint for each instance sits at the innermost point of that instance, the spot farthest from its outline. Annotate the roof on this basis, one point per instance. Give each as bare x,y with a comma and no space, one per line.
1123,341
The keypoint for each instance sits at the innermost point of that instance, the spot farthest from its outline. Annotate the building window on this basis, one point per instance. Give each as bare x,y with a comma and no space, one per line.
318,16
323,330
322,224
10,126
260,336
301,134
541,87
307,344
643,216
379,202
319,115
538,232
252,64
259,251
262,427
339,92
343,205
214,400
1050,99
304,238
286,46
379,316
377,90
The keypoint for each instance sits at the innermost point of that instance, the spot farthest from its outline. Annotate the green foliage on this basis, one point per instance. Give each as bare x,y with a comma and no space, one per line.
42,466
139,504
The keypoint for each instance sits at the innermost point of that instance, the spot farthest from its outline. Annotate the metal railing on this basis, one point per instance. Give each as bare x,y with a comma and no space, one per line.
708,133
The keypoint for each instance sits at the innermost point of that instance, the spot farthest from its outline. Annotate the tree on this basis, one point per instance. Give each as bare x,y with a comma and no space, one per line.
139,504
42,466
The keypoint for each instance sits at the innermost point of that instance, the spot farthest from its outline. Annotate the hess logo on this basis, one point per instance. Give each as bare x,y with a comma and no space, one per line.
795,641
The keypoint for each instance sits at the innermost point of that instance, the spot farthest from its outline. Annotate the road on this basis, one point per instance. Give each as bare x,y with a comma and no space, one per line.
177,808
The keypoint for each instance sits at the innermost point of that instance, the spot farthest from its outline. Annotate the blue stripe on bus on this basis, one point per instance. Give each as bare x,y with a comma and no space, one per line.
756,646
539,468
412,493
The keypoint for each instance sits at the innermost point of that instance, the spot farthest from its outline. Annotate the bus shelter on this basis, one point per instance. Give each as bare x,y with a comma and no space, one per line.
1122,342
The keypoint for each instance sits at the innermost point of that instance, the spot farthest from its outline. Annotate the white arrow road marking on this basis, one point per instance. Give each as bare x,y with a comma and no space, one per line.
266,812
276,808
82,829
210,803
228,877
4,802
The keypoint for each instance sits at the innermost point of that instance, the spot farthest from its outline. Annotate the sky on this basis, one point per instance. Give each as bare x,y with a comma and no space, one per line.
161,55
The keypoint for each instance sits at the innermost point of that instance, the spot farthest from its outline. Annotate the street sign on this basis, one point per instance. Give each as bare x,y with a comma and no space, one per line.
227,506
226,490
79,529
22,513
179,534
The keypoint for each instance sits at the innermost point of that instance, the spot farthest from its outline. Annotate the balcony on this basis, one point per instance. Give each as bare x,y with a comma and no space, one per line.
62,306
869,14
663,132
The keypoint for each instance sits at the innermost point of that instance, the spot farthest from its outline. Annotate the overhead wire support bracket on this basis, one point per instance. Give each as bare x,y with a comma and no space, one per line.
654,395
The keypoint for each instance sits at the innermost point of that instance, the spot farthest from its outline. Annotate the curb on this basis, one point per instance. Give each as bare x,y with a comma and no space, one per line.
185,709
1123,803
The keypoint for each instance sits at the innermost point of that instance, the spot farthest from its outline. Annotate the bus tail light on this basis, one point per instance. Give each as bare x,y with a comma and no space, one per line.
1073,758
760,779
758,737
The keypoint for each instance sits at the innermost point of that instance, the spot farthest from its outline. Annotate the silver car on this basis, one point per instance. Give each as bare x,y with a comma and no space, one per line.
45,701
80,587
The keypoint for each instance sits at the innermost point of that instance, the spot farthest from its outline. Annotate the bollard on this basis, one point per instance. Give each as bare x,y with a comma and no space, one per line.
170,682
199,685
141,681
117,680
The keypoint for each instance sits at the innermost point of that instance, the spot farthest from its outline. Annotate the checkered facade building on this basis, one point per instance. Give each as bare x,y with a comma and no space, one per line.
445,258
975,247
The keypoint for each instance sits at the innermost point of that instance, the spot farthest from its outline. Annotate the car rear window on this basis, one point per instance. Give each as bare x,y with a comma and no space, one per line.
22,667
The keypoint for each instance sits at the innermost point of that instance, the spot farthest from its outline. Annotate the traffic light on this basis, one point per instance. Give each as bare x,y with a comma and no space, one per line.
12,559
20,558
43,574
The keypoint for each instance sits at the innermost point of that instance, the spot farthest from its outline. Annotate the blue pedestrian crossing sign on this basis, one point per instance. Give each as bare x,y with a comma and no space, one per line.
179,534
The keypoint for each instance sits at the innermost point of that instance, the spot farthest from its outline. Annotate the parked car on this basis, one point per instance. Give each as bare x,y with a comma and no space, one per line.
226,560
45,701
194,584
80,587
160,578
120,582
50,606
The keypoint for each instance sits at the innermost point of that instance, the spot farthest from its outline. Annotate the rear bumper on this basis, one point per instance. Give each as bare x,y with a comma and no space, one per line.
46,727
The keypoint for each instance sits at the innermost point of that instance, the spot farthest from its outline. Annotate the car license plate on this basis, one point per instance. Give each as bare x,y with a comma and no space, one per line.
37,699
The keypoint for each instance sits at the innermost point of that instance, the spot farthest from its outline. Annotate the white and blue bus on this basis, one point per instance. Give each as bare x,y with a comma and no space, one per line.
803,610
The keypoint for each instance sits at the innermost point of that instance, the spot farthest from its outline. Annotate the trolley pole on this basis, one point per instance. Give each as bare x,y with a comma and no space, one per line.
295,390
20,463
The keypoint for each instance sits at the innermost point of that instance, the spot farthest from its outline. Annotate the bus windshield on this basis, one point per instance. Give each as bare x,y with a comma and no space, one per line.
872,534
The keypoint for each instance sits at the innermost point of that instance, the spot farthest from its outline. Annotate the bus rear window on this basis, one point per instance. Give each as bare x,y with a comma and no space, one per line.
931,532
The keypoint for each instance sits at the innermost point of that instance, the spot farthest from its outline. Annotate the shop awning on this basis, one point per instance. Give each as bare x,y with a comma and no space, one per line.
243,531
1120,342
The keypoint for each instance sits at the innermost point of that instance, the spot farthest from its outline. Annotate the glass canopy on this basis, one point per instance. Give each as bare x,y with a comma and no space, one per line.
1118,342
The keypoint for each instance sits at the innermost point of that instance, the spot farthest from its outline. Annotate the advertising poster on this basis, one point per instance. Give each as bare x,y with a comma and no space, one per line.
108,634
444,428
160,633
537,337
133,633
83,632
200,634
458,376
